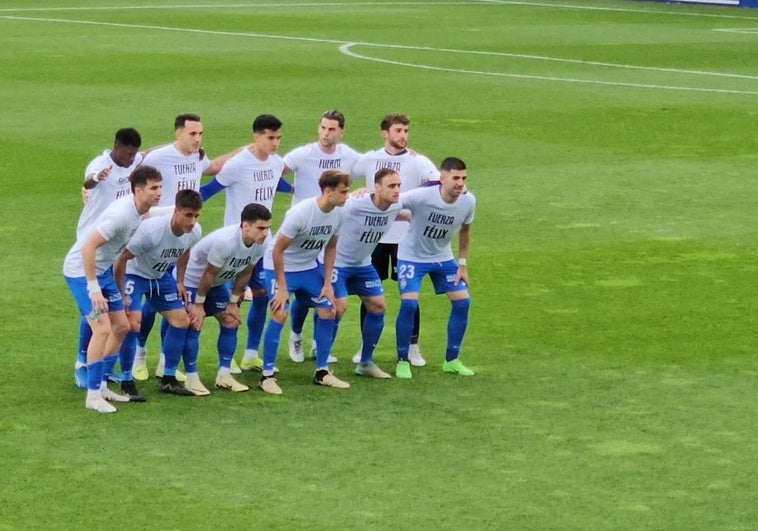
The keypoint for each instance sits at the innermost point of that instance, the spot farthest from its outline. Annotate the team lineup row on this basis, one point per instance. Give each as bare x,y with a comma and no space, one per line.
139,251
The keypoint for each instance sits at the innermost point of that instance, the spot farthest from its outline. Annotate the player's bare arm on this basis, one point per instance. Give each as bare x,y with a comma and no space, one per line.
281,295
464,238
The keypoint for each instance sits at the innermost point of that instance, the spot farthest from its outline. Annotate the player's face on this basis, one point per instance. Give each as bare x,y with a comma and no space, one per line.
189,138
396,137
453,182
149,194
338,196
389,189
268,141
124,155
255,231
186,219
329,133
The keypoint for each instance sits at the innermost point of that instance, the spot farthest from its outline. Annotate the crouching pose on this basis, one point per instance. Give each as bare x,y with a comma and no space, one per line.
226,254
144,270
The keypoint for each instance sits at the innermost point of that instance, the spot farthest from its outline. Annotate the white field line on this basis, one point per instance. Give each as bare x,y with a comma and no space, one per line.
345,49
679,13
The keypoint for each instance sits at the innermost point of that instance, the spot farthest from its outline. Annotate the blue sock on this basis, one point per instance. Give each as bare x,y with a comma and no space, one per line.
371,332
126,355
226,344
173,347
336,329
271,344
298,313
324,335
94,375
164,331
191,348
404,327
456,327
109,361
256,320
85,334
146,325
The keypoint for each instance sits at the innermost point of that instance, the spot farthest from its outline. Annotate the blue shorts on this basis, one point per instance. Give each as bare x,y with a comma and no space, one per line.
161,293
305,285
258,278
360,280
409,275
78,287
215,300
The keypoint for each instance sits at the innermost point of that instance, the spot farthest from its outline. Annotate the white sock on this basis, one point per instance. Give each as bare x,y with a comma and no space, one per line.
250,354
223,371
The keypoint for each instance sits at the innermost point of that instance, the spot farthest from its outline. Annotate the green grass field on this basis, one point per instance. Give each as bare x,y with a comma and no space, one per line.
612,149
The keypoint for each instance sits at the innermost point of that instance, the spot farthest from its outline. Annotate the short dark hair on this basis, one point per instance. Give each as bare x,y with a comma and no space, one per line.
392,119
452,163
266,121
188,199
128,136
142,174
334,114
254,212
332,179
381,174
182,119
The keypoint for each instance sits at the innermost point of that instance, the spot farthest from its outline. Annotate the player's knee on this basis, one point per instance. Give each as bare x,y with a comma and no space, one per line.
135,321
228,322
279,316
376,306
326,313
180,320
120,327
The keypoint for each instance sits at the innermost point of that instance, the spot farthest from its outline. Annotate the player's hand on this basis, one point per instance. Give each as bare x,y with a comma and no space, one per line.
461,274
327,292
99,304
196,315
183,295
279,300
232,313
103,174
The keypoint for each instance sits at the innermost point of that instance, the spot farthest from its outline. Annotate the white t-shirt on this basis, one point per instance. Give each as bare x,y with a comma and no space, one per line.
249,180
414,170
115,186
308,162
363,226
116,225
309,228
222,248
433,224
156,248
179,172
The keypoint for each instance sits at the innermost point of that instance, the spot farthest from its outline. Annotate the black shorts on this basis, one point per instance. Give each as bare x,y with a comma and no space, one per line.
384,260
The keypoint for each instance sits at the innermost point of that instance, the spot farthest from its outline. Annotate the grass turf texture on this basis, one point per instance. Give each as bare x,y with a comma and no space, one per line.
612,267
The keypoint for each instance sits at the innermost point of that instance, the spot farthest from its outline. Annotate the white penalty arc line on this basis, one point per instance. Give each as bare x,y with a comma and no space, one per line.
345,49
